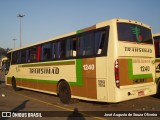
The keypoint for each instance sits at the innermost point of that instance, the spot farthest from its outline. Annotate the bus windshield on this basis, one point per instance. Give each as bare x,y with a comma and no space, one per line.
157,46
134,33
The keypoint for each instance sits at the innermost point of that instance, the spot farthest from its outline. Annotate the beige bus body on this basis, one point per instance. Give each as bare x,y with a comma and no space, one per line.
93,78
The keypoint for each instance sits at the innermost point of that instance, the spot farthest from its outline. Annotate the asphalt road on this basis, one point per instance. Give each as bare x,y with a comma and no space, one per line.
39,106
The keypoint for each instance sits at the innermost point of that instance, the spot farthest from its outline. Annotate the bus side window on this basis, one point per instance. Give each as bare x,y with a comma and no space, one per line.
86,44
71,47
53,50
27,55
60,49
15,57
32,53
46,52
18,57
23,56
63,49
75,49
101,41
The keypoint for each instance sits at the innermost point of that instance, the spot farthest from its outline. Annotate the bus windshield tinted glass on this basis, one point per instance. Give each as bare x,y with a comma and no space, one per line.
134,33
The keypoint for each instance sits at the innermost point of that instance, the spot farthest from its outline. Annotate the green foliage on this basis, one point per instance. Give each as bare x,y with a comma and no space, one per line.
3,52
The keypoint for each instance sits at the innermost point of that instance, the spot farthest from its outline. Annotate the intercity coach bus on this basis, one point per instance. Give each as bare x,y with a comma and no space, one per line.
157,51
5,64
111,61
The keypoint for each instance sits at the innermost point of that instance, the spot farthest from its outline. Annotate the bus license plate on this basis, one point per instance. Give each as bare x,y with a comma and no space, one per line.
141,93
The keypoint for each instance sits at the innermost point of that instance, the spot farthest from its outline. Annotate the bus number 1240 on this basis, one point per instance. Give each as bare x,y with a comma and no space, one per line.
88,67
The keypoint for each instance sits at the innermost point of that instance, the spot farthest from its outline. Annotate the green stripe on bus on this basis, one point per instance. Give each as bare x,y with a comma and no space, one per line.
131,76
49,64
78,77
78,73
79,31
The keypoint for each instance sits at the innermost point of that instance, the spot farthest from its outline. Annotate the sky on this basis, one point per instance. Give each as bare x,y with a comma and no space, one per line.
46,19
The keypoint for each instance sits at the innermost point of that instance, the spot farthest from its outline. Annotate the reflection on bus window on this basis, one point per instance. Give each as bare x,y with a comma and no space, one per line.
71,47
86,46
100,37
46,52
23,56
32,54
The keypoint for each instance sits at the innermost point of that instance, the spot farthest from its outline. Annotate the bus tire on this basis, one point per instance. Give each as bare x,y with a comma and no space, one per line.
64,92
14,84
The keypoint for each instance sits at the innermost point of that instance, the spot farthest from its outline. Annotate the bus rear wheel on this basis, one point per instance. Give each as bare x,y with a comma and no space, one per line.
64,92
14,84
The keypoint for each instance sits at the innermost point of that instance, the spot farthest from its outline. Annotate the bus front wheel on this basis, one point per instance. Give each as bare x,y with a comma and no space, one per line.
64,92
14,84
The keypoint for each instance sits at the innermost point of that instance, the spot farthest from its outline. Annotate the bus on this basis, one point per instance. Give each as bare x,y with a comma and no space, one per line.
5,64
157,60
111,61
3,61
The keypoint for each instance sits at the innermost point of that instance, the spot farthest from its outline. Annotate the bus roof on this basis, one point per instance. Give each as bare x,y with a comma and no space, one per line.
156,34
96,26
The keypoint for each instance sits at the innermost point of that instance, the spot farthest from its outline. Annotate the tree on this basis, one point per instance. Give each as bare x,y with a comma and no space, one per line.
3,52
